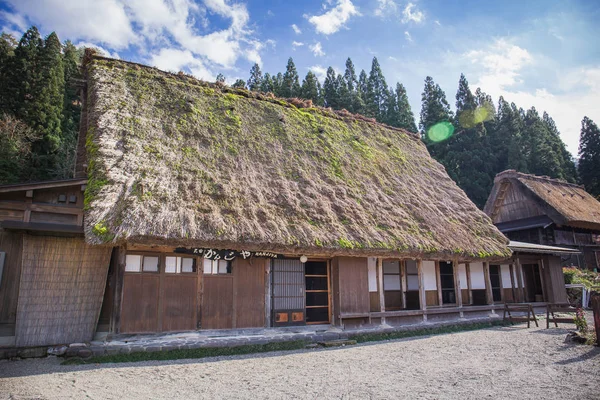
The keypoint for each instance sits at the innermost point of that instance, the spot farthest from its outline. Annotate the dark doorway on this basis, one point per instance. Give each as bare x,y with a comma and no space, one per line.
447,281
496,283
317,292
533,282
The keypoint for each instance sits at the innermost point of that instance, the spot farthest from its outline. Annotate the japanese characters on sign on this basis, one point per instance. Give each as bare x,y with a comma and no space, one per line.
227,255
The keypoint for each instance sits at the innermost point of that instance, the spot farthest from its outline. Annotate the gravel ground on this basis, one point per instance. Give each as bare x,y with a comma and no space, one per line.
501,362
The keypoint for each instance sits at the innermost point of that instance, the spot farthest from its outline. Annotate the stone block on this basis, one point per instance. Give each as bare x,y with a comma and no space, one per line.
33,352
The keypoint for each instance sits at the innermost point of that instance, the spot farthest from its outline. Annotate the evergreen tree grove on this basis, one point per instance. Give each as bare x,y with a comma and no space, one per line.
589,157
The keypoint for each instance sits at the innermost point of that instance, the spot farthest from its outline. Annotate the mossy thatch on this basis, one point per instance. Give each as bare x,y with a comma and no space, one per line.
173,160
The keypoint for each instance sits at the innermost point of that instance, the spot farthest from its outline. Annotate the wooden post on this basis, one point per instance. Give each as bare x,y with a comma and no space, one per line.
596,309
438,281
489,298
380,287
543,280
422,297
457,289
115,322
403,282
520,281
268,288
199,290
511,270
501,284
468,272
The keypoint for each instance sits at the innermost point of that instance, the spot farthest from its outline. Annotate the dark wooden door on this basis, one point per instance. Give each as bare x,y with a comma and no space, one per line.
140,303
179,307
217,302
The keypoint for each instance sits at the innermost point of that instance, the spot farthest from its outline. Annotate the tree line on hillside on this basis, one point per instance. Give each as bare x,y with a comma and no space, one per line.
486,138
40,111
368,95
39,107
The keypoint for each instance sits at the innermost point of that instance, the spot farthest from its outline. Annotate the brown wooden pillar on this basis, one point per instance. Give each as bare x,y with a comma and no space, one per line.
511,270
422,297
115,320
438,281
520,281
457,289
468,273
380,287
488,283
403,282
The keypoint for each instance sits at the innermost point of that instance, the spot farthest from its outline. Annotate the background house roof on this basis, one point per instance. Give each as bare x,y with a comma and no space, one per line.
175,160
565,203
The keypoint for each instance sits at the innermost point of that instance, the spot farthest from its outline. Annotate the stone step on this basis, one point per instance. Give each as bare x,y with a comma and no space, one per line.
338,343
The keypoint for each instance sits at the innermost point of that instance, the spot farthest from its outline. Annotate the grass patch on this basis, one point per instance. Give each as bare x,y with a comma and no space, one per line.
190,353
377,337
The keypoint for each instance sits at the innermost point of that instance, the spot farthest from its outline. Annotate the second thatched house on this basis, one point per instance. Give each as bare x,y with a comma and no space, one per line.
204,207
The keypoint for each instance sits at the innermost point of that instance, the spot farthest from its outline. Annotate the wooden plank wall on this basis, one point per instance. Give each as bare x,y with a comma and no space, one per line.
217,302
516,205
179,306
60,292
42,205
12,244
250,293
139,311
354,285
554,280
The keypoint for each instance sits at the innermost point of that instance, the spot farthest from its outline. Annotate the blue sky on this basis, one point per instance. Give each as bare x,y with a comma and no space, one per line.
535,53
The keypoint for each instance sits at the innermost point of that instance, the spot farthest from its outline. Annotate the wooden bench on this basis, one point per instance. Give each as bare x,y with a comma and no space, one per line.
551,308
521,308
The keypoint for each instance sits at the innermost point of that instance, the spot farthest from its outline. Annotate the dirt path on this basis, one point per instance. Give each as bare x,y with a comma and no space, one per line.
493,363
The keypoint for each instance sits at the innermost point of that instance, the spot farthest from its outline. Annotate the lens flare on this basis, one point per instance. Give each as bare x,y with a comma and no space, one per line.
440,131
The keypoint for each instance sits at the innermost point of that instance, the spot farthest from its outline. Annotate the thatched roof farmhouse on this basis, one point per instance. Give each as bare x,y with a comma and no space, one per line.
175,160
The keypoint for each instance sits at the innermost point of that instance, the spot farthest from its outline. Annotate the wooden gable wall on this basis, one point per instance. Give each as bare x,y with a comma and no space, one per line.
515,203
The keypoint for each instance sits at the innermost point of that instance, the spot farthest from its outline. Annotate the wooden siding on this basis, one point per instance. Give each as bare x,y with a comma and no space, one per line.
60,292
217,302
554,280
140,303
41,204
250,293
431,297
179,307
517,204
353,285
12,244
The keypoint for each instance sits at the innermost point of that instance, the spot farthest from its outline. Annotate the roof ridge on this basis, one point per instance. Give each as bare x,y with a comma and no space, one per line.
342,114
512,173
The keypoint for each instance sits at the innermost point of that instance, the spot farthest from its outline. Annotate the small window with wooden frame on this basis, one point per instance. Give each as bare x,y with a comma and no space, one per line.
180,265
392,284
412,285
217,267
142,263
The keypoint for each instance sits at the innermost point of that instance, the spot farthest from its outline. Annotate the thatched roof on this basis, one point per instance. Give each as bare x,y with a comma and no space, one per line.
565,203
173,160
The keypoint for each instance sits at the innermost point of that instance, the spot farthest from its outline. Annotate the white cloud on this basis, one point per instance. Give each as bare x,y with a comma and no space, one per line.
104,52
103,22
334,19
385,8
408,37
437,22
297,44
149,24
502,62
320,72
177,60
296,29
408,15
577,93
317,50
